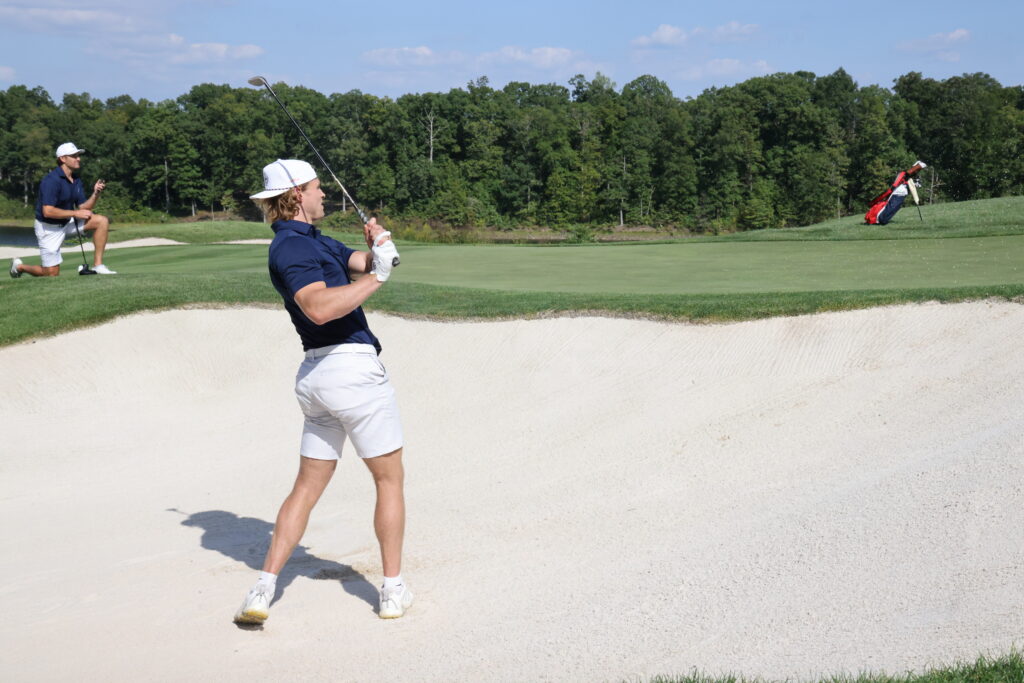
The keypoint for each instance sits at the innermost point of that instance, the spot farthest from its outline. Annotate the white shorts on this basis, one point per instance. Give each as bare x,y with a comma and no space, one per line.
345,390
51,237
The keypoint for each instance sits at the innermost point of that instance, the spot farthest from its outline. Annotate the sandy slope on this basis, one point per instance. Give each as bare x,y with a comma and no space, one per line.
590,499
71,245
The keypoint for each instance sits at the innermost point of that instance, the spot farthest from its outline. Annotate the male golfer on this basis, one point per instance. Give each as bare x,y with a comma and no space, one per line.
63,210
342,387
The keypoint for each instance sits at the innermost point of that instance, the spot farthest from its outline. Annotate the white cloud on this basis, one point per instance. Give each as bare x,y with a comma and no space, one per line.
126,30
204,53
538,57
422,57
6,73
410,56
65,19
938,42
665,34
733,31
154,52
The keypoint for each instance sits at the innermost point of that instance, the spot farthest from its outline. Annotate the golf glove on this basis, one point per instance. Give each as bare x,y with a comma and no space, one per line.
384,256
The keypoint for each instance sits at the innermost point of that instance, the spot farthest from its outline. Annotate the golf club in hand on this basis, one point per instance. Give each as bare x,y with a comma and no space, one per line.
260,80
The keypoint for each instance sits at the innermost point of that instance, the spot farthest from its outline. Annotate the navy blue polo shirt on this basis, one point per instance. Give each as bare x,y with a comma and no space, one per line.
299,256
57,191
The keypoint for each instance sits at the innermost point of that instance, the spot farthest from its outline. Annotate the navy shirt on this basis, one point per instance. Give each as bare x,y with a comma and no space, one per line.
300,256
57,191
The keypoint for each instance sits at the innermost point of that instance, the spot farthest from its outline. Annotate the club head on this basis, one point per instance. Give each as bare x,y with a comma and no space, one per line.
258,80
85,270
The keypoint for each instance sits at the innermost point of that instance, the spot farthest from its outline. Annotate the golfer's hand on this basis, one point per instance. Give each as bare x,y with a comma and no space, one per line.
385,254
84,214
99,186
373,232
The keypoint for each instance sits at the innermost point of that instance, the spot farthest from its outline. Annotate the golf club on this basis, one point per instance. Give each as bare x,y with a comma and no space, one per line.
260,80
85,269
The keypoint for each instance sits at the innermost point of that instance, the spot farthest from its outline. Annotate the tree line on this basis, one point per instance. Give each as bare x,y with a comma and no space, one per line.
774,151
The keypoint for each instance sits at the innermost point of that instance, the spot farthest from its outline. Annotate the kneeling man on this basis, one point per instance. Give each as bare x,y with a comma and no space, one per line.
62,210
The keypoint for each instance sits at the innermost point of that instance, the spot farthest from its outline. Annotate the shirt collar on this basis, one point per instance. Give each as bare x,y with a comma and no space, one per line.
295,226
59,173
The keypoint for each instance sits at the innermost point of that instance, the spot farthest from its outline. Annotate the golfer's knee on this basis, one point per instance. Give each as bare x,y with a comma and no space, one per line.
98,222
51,271
387,469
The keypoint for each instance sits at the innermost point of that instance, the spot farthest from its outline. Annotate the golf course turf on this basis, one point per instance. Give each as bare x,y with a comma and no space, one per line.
743,276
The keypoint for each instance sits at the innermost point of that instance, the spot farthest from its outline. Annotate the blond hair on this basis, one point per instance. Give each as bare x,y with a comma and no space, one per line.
284,206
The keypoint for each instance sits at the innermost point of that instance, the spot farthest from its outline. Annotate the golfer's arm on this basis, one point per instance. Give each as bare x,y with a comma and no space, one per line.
360,262
90,202
54,212
322,304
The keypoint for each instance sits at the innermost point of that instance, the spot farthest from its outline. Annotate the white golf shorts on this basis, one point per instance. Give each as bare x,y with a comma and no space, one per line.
344,390
51,237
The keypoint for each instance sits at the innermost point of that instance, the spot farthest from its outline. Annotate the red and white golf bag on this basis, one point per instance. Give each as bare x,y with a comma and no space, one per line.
885,205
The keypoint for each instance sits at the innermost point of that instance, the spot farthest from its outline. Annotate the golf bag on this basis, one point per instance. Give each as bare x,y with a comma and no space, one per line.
885,205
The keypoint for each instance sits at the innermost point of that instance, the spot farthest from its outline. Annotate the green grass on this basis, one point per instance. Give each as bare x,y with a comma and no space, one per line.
698,280
977,218
1006,669
198,232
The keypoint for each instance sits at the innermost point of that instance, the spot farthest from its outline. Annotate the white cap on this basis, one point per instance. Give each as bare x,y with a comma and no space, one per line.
68,149
283,175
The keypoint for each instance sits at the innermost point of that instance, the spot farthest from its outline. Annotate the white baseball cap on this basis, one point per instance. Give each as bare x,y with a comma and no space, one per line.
283,175
68,149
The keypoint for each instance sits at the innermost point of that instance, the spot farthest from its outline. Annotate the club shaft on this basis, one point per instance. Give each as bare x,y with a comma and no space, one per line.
295,123
259,80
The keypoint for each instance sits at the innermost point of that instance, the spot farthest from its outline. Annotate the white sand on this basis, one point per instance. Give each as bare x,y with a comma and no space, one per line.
72,245
589,499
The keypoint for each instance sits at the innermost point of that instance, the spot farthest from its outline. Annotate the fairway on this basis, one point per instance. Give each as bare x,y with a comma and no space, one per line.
664,269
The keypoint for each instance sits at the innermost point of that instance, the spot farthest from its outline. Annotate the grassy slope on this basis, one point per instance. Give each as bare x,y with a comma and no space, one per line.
697,279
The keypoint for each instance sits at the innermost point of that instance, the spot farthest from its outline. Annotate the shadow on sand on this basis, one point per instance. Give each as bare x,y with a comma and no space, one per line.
246,540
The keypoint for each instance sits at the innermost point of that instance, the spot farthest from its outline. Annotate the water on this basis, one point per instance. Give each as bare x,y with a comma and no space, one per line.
11,236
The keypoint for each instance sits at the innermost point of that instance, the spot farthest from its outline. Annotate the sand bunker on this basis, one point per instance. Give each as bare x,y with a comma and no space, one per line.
589,499
71,245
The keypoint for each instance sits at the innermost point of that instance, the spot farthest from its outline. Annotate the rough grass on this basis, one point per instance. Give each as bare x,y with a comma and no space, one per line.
1006,669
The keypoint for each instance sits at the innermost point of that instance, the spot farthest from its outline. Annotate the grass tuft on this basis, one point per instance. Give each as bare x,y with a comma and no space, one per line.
1008,668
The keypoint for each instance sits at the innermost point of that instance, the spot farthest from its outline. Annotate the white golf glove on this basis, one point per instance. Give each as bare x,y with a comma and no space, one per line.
384,256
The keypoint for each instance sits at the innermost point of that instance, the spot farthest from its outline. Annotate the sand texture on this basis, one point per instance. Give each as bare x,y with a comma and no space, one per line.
589,499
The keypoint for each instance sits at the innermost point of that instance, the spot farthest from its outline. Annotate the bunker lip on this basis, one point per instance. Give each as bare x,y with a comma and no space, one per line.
785,498
20,252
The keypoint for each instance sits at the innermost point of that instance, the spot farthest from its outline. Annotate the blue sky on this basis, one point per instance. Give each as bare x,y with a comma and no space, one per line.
158,49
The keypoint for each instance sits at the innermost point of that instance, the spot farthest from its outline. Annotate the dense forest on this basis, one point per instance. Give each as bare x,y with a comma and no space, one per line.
775,151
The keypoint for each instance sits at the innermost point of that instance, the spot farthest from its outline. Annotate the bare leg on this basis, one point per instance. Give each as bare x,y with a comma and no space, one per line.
293,517
40,271
99,226
389,514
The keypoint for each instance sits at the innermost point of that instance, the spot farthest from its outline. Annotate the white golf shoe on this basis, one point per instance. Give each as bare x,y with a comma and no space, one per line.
103,270
14,268
394,603
256,607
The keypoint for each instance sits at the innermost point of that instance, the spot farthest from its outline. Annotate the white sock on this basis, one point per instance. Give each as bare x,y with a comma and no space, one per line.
267,578
392,582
